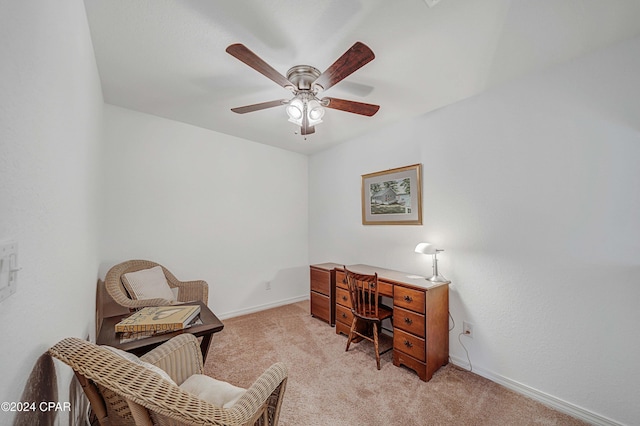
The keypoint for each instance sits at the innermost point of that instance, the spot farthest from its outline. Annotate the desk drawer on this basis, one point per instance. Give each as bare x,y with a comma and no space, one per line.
343,314
321,306
409,344
408,321
321,281
409,299
341,280
342,297
385,289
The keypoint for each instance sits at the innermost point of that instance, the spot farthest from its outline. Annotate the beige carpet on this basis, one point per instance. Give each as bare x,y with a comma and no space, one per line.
330,387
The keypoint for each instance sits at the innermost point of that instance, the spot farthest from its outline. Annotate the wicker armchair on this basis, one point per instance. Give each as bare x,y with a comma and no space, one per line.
122,392
188,291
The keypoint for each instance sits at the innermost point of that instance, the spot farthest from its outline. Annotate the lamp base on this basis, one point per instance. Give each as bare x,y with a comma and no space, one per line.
437,279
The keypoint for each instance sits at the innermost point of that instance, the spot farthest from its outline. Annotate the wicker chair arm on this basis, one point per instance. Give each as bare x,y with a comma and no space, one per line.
189,291
180,357
268,390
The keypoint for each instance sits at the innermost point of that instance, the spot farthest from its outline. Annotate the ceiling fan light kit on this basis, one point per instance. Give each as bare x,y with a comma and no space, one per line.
305,109
304,104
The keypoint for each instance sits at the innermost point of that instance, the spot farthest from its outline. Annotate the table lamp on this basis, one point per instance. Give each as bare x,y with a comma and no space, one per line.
428,248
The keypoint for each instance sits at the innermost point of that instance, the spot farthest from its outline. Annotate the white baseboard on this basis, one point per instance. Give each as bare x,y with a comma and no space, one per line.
231,314
542,397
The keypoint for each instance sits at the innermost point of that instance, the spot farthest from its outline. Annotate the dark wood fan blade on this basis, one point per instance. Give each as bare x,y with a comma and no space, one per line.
242,53
351,106
257,107
353,59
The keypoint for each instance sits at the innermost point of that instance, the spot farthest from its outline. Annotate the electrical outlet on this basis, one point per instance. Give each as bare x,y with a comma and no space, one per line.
267,285
467,329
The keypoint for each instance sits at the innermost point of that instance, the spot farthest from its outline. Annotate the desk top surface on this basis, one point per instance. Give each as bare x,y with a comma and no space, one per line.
399,277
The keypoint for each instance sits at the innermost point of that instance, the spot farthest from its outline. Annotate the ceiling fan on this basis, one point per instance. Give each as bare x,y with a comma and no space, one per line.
306,82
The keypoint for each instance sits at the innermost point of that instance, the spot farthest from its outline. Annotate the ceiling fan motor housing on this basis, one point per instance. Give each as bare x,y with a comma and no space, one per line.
303,76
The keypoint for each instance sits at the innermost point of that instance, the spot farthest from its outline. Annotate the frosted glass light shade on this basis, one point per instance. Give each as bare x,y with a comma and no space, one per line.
295,111
301,105
425,248
316,112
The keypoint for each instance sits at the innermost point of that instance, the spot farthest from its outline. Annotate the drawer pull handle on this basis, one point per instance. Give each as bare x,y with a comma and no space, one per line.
344,315
408,298
344,298
408,344
408,320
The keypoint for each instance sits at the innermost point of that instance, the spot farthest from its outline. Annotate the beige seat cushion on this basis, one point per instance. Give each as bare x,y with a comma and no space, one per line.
216,392
148,284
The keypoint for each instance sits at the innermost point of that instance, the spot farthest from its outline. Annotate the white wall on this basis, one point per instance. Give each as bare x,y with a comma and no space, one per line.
207,206
533,190
50,129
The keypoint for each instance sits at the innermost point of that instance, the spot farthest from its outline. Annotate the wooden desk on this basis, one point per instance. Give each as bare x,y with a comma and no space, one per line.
420,312
210,325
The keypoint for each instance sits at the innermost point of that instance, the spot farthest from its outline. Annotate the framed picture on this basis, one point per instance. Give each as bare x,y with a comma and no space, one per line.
393,197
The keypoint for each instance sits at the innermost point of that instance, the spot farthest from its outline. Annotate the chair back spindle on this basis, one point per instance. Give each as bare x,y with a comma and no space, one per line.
363,290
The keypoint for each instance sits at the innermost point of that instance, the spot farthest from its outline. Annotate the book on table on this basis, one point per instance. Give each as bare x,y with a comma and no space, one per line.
159,319
130,336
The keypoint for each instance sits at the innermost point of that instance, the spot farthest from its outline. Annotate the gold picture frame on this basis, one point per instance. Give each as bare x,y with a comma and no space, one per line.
393,197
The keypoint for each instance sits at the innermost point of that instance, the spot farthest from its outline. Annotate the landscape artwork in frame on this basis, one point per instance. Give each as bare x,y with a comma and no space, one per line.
393,197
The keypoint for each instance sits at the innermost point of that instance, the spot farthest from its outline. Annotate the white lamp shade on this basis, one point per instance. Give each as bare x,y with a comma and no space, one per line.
295,111
428,248
425,248
316,112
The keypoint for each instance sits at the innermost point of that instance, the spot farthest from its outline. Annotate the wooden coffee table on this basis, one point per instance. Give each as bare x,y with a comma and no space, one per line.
210,325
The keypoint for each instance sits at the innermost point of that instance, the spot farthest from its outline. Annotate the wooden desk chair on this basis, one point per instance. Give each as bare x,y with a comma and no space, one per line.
366,308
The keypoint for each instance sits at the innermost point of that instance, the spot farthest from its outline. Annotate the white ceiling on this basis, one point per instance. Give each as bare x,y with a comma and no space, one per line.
167,57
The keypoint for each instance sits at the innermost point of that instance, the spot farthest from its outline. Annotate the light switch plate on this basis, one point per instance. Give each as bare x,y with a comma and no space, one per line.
8,268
